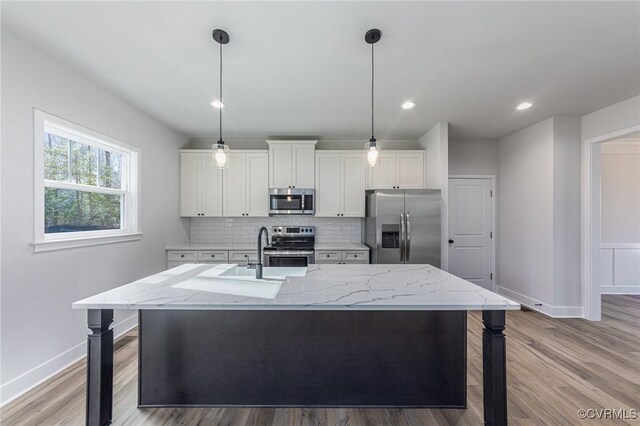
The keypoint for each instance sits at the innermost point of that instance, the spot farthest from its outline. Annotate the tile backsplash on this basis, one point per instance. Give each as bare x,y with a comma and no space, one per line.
244,230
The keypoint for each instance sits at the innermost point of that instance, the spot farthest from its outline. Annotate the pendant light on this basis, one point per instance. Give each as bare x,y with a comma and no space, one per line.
372,148
219,150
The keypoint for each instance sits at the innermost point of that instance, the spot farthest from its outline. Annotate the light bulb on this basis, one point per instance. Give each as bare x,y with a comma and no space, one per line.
217,104
372,156
220,158
524,105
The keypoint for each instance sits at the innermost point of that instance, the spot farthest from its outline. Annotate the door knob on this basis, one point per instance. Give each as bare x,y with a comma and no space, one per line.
451,241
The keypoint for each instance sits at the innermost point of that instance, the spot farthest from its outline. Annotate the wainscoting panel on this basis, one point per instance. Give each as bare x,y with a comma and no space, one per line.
620,268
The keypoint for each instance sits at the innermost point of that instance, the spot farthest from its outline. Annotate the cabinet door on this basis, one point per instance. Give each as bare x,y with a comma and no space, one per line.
328,185
257,186
234,186
280,170
211,182
383,175
353,185
303,166
410,171
190,164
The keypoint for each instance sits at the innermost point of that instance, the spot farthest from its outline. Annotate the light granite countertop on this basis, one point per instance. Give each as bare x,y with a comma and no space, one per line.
324,287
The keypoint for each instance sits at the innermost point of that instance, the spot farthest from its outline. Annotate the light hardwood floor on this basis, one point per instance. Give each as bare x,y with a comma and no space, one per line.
555,367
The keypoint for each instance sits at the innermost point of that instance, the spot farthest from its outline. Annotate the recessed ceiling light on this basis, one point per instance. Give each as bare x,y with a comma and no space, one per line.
524,105
217,104
408,105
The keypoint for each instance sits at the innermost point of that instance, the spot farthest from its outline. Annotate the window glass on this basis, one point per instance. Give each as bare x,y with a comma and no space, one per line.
73,211
109,169
56,158
84,164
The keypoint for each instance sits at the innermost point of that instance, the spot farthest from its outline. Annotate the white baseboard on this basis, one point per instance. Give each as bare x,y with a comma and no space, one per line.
620,289
536,305
25,382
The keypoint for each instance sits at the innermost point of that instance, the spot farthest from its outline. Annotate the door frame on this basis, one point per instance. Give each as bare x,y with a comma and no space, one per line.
494,281
591,238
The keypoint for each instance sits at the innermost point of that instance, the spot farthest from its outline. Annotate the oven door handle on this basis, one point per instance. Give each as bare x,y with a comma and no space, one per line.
281,253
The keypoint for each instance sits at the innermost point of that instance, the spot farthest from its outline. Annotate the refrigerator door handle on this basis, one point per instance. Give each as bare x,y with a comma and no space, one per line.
407,250
402,234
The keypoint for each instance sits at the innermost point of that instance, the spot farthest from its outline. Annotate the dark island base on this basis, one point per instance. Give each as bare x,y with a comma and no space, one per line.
303,358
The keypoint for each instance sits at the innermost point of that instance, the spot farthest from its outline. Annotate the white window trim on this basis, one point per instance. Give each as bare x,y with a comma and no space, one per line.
131,217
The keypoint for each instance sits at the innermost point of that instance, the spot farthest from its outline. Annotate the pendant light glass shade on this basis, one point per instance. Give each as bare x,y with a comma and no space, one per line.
372,148
219,155
373,151
219,151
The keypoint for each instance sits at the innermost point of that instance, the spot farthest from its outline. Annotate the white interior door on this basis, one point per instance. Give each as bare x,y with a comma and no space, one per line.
470,230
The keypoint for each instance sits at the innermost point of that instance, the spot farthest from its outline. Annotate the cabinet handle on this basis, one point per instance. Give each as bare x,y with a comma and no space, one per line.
328,255
182,255
355,255
246,255
213,255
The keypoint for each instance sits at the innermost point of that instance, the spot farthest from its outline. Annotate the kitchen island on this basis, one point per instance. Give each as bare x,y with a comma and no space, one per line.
333,335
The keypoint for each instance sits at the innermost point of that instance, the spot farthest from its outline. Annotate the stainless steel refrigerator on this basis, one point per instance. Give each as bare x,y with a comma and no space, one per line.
403,226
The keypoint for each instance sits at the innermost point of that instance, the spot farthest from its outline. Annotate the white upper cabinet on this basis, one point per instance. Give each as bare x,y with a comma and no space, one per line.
245,185
234,178
410,171
383,175
354,167
397,170
200,185
328,183
340,184
292,164
257,192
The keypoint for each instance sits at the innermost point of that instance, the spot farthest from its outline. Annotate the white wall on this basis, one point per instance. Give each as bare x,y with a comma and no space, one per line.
539,210
620,217
606,124
620,192
615,117
477,157
40,331
525,240
566,211
436,143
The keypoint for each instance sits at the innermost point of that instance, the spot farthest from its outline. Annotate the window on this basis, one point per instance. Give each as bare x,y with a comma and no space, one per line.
86,186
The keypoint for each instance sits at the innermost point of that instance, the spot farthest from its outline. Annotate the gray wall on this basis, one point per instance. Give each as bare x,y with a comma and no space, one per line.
539,216
473,157
40,331
620,192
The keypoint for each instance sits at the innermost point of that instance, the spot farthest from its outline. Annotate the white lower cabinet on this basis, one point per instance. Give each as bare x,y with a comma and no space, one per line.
340,184
180,257
339,257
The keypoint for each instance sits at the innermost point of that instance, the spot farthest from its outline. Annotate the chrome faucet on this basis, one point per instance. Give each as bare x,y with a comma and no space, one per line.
259,264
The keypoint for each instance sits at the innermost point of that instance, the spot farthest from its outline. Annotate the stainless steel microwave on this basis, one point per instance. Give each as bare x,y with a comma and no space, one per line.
291,201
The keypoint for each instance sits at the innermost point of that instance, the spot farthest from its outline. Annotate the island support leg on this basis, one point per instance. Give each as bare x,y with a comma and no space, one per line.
99,368
494,365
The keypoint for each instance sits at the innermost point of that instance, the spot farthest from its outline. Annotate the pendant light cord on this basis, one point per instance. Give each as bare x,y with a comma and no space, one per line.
221,104
372,78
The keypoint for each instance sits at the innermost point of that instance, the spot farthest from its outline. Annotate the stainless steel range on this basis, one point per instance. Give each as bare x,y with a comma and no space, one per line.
291,246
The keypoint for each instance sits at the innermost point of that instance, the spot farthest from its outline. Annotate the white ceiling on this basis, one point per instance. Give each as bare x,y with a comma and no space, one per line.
302,68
